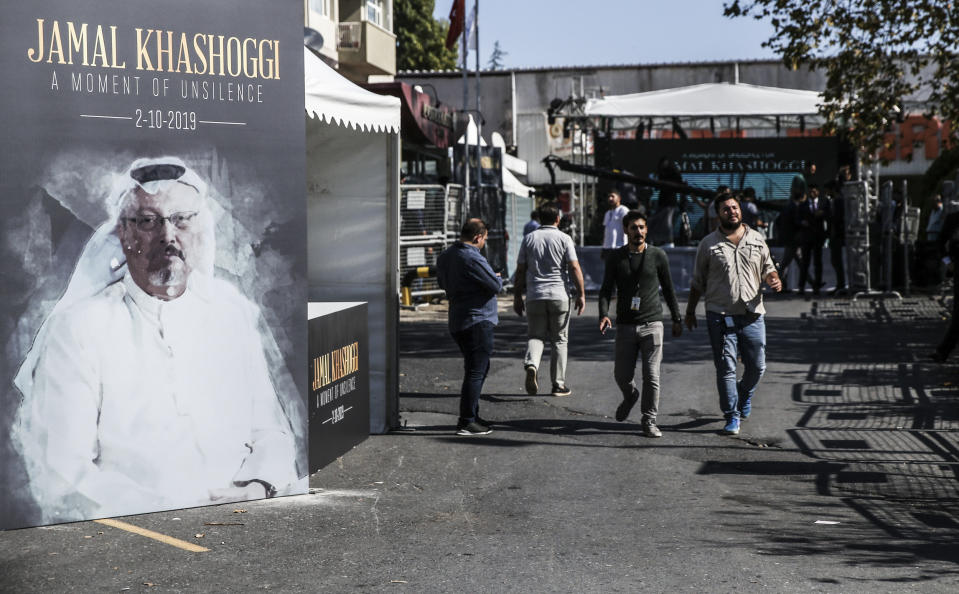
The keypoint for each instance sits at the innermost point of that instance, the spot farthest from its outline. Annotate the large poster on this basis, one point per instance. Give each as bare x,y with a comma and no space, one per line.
153,242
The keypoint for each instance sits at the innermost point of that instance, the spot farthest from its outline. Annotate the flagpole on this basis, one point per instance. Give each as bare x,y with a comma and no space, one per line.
479,114
464,42
466,50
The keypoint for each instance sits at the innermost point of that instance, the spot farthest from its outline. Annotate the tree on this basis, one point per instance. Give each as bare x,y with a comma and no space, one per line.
496,58
420,39
876,54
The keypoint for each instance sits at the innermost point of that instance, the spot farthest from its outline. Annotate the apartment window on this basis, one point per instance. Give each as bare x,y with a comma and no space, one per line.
320,7
374,12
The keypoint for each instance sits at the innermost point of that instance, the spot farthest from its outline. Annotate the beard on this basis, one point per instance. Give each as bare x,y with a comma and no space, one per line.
730,227
169,276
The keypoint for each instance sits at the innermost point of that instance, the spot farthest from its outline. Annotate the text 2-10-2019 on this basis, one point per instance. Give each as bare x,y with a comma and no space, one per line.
170,119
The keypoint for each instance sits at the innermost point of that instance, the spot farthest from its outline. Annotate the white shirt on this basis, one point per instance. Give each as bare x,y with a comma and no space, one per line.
547,252
142,405
615,235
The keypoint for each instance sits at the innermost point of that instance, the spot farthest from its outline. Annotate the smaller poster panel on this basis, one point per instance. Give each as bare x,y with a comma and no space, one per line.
339,406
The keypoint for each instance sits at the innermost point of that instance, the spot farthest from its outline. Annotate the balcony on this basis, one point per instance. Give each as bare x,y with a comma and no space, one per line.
365,49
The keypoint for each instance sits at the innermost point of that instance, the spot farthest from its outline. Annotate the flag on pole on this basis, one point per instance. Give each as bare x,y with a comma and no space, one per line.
471,28
457,18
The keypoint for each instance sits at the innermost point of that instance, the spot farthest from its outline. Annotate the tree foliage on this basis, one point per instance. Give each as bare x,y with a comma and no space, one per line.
496,58
420,39
879,57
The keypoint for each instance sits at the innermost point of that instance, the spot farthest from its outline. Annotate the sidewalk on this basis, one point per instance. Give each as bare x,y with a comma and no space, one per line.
843,480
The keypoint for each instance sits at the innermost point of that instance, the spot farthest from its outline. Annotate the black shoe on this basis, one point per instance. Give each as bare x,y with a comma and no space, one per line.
937,357
474,428
562,391
483,421
531,386
622,411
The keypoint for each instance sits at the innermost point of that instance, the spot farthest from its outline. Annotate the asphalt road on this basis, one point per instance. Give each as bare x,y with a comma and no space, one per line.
844,479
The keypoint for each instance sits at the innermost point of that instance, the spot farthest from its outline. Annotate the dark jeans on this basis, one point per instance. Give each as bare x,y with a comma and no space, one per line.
836,249
811,251
790,254
476,344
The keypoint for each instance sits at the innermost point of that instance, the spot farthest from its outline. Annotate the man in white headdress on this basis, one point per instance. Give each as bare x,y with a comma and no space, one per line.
147,387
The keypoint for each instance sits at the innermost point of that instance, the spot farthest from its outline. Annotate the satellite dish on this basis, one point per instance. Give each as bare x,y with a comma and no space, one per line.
312,39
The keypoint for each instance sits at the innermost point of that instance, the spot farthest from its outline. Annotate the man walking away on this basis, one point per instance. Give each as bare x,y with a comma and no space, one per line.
471,286
731,262
547,258
637,271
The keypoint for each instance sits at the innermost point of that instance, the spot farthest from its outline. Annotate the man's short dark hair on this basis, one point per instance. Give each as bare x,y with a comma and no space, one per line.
749,192
534,214
723,197
472,228
548,214
632,215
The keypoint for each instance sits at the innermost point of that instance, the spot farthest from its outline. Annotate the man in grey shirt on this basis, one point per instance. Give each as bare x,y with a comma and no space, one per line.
547,258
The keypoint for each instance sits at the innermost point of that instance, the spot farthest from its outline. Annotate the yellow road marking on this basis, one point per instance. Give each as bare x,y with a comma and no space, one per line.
173,542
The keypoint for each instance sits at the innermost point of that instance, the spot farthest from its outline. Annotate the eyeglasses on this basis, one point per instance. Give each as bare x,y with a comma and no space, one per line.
150,222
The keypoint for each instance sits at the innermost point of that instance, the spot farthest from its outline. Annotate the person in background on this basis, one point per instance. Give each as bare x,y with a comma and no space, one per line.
934,226
613,236
813,214
532,224
788,228
836,225
948,243
751,211
661,223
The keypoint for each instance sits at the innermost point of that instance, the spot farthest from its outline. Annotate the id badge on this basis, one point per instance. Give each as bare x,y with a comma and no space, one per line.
730,323
634,304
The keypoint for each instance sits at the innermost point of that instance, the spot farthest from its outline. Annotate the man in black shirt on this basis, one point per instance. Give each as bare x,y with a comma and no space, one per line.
636,271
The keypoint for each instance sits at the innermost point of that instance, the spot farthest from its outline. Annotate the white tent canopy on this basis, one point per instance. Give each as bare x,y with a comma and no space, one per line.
352,185
708,100
336,100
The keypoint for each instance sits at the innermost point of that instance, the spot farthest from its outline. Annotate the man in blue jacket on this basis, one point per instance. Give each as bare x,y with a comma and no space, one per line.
471,287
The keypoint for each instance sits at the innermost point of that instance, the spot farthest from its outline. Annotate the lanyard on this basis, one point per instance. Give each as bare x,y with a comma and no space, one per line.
635,276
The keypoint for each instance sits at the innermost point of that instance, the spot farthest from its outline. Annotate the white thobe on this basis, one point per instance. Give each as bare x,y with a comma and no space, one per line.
142,405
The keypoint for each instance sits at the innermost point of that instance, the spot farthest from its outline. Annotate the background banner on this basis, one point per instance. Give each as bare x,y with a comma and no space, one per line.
766,164
153,244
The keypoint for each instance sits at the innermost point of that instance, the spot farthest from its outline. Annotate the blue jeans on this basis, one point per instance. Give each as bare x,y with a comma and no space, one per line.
476,345
747,339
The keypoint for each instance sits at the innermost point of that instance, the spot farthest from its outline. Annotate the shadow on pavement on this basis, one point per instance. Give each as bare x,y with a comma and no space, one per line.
882,433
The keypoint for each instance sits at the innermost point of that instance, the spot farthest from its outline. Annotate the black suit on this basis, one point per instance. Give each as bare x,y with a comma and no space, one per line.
812,237
836,208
